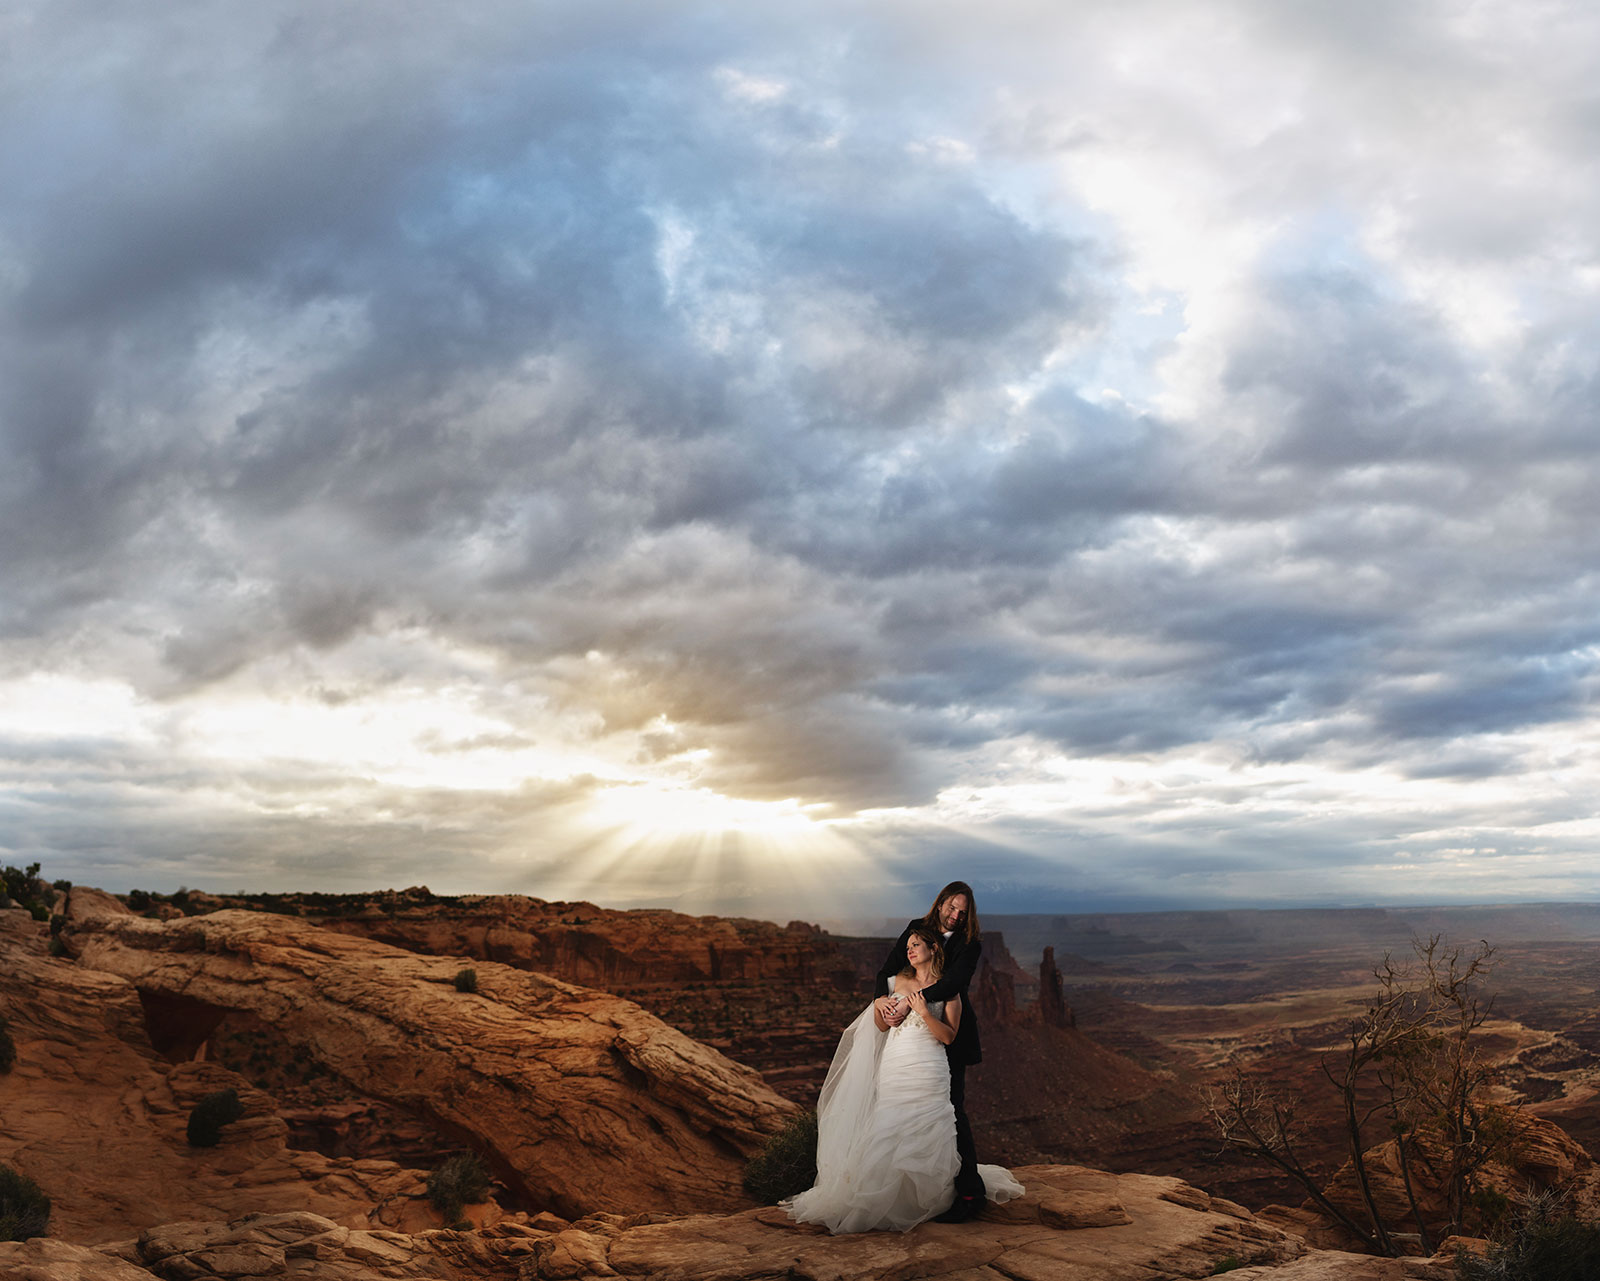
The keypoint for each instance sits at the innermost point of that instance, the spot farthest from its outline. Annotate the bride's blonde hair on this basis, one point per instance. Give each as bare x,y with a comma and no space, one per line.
934,944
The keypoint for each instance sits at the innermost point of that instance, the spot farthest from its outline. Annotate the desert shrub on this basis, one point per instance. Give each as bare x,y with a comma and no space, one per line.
24,1209
57,921
8,1050
57,947
1547,1243
1228,1263
64,886
21,886
787,1166
138,901
459,1182
23,883
210,1115
467,981
1494,1210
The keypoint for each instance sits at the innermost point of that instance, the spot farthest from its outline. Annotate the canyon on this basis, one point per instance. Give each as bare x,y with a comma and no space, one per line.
615,1069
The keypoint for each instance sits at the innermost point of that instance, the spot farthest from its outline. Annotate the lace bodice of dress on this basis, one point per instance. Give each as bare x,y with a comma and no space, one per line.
913,1019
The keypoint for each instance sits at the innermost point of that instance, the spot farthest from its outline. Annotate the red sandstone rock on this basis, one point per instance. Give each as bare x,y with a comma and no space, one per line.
1543,1156
96,1117
47,1259
1074,1224
579,1100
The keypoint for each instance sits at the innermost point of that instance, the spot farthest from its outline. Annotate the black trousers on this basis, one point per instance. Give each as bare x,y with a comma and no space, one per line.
968,1181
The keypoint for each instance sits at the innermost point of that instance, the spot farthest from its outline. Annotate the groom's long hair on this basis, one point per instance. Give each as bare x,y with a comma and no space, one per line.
969,928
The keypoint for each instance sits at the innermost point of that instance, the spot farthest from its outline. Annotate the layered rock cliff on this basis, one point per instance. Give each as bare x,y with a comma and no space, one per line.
582,943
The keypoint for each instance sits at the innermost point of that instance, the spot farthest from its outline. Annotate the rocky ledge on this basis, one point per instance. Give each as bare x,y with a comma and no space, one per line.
1074,1224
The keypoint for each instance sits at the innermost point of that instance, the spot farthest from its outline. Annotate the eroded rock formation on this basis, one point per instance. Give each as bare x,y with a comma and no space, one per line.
96,1117
579,1100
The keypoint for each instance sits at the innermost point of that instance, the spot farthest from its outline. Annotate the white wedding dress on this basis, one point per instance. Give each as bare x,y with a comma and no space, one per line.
886,1132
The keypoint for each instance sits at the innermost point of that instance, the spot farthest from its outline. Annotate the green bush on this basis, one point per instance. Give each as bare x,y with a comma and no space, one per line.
40,911
138,901
1546,1244
459,1182
24,1209
8,1052
64,886
57,947
57,922
787,1166
210,1115
467,981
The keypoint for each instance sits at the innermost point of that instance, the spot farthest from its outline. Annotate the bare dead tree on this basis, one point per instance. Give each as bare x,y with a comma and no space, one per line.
1410,1066
1438,1078
1254,1119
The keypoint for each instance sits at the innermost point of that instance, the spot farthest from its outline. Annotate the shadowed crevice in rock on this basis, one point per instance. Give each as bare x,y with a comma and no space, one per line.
324,1112
179,1026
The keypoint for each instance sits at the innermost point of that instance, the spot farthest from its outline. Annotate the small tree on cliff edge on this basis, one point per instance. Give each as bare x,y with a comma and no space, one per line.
1411,1072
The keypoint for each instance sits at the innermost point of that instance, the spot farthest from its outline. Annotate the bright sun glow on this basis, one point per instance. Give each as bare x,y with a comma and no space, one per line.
673,811
635,836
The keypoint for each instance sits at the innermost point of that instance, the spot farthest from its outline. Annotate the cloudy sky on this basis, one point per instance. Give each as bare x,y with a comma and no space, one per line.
770,459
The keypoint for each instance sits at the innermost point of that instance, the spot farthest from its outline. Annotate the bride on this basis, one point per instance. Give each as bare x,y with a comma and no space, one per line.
886,1132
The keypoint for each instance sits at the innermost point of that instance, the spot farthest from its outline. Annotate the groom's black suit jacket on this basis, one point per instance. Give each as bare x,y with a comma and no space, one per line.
960,964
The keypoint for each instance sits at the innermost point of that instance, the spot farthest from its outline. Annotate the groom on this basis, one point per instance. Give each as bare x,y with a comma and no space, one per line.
954,915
